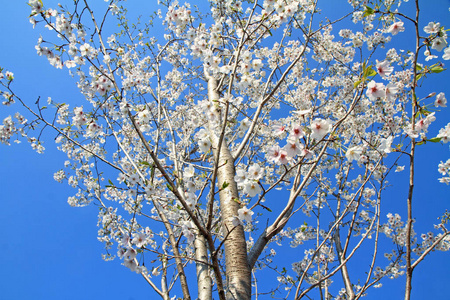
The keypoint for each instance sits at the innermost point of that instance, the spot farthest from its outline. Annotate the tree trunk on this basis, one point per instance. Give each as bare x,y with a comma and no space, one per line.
203,278
238,273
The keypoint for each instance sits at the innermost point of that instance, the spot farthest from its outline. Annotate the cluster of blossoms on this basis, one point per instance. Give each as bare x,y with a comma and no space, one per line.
102,85
396,229
36,6
7,130
421,126
128,253
324,256
9,99
437,34
428,239
249,180
128,245
393,270
300,235
178,17
444,169
15,125
283,10
376,90
77,49
444,134
204,143
318,129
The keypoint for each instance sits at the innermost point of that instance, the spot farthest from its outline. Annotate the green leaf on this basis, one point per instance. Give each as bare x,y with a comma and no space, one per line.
225,185
417,115
421,143
437,69
424,111
368,71
371,72
169,187
418,76
435,140
418,68
368,11
145,163
357,83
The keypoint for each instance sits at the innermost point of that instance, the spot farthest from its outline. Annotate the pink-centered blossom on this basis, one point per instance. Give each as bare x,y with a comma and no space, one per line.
273,153
93,129
306,153
375,90
292,147
278,128
319,129
440,100
422,124
144,116
36,6
9,75
79,117
384,69
297,131
130,254
391,90
283,158
396,28
444,134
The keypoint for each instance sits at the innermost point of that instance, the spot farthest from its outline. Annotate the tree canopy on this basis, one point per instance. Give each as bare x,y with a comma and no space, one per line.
244,149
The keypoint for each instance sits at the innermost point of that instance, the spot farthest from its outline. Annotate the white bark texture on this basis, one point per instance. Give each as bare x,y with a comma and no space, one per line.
204,283
238,272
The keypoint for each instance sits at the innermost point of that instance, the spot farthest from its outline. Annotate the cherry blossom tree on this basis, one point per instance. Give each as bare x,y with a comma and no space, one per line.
207,135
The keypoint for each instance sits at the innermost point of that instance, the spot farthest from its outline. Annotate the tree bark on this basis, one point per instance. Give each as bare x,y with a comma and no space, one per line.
238,272
344,270
204,283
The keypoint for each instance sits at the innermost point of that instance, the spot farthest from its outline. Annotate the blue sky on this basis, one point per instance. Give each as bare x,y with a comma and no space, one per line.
49,250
